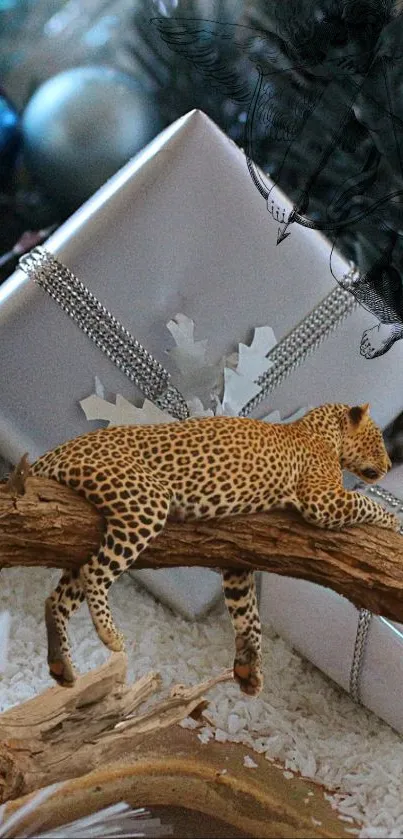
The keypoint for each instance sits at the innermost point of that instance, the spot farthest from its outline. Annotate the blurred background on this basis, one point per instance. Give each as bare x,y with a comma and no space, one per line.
86,84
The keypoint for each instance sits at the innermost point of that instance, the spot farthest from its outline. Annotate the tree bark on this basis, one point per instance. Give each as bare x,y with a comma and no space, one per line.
52,525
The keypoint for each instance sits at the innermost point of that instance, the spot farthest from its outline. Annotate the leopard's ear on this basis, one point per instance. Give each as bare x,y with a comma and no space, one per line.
357,416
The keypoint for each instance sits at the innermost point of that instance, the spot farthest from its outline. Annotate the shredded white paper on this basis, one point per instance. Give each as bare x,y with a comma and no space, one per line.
11,824
249,762
189,722
205,735
4,639
116,820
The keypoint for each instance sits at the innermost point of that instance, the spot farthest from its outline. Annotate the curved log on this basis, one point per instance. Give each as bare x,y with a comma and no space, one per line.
77,737
52,525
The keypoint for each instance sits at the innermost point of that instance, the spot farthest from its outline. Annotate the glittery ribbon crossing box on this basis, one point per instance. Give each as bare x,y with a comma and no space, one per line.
182,236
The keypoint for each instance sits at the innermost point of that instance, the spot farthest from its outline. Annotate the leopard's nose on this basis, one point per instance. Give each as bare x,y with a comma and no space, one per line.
371,474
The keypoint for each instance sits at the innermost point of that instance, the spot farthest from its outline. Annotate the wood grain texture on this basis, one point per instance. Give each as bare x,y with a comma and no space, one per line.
66,733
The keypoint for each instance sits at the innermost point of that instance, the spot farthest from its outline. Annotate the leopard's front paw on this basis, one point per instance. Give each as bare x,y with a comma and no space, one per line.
248,667
112,639
390,522
396,524
117,643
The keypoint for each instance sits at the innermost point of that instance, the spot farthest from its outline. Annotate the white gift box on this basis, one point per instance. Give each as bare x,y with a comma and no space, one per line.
181,228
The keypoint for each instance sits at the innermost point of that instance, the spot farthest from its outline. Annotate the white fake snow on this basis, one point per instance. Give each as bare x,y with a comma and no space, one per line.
301,720
249,762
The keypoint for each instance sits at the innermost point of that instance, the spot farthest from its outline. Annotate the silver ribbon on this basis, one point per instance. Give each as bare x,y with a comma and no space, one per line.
105,330
361,638
128,354
305,338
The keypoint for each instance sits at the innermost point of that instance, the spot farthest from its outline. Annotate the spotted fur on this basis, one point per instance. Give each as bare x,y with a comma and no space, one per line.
138,476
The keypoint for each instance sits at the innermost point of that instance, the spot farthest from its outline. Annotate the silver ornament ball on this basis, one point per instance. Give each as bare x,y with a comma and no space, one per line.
81,126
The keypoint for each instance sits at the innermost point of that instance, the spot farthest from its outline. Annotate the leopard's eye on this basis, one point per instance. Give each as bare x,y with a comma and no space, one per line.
371,474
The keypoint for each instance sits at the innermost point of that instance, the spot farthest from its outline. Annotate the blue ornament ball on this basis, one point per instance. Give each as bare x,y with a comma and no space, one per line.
81,126
10,135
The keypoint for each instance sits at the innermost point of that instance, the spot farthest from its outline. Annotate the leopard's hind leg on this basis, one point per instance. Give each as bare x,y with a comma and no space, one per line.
135,507
241,601
62,603
135,512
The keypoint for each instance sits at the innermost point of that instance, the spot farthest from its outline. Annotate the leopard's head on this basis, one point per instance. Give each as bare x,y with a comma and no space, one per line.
363,448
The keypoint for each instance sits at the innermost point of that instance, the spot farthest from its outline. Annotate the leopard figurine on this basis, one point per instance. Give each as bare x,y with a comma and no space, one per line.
139,476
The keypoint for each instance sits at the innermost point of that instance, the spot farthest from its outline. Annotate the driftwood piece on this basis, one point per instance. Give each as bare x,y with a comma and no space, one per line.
52,525
64,734
72,736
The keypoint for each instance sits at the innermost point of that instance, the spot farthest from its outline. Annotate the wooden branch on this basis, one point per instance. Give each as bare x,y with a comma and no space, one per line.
71,736
15,485
52,525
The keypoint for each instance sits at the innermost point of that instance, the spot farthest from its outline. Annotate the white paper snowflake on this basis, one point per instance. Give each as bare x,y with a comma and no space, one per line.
123,412
198,373
231,381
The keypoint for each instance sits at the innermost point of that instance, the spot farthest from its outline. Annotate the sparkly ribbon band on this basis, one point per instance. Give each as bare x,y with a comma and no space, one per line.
364,623
154,381
104,330
305,338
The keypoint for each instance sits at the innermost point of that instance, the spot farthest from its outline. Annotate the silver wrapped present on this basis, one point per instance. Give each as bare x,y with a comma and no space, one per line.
182,229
